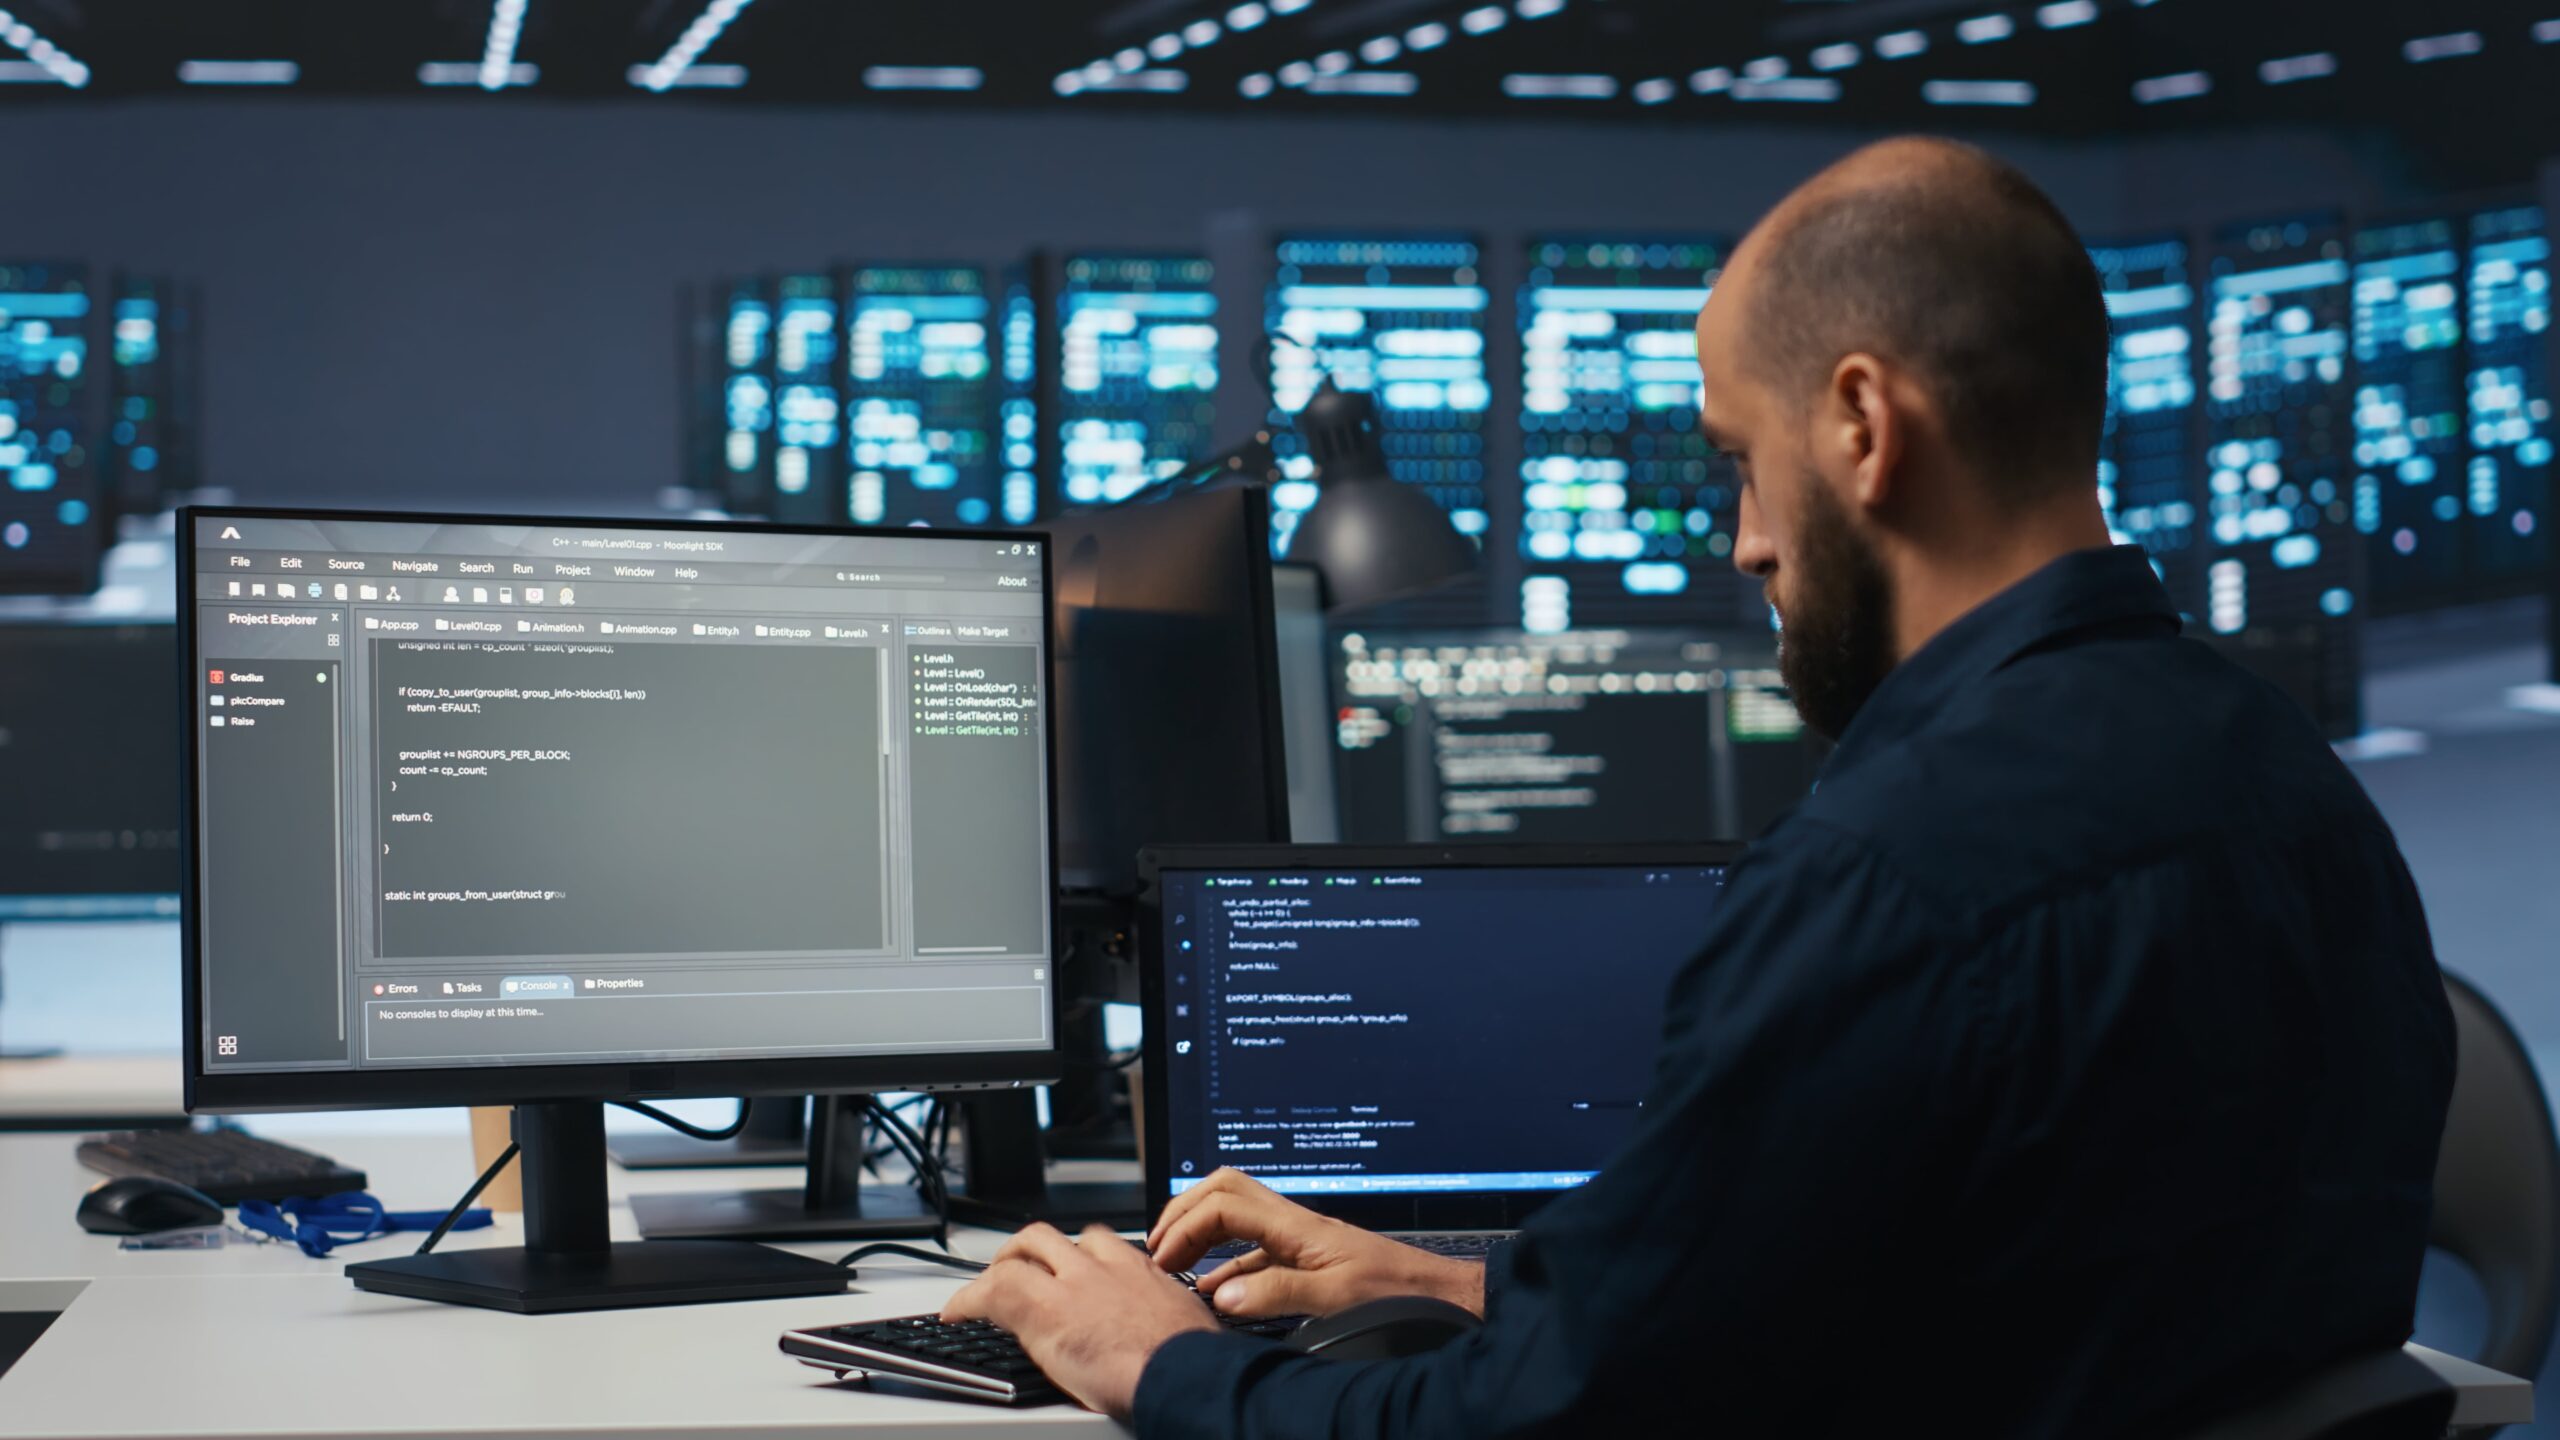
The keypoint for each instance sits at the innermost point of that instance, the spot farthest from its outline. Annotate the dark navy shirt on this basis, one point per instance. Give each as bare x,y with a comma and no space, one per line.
2071,1063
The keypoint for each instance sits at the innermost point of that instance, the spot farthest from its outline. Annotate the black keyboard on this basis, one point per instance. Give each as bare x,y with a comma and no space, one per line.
226,1165
971,1358
1457,1245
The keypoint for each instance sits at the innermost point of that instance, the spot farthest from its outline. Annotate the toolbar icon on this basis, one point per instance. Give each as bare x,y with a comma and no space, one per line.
368,592
338,593
452,595
315,590
568,596
506,594
479,594
229,532
533,594
258,588
394,595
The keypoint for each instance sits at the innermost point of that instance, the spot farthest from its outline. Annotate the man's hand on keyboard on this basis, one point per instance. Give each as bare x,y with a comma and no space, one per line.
1090,1315
1306,1264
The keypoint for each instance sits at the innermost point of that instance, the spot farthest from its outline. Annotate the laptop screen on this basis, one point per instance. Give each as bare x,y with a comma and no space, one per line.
1362,1034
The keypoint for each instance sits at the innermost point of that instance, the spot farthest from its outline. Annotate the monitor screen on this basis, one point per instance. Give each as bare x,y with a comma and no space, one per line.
2147,481
1622,499
89,788
807,406
920,397
49,514
521,794
1313,1015
2409,426
1582,737
2507,487
1402,319
2280,568
1137,372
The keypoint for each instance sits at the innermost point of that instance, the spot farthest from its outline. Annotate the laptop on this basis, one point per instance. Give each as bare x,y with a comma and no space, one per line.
1426,1041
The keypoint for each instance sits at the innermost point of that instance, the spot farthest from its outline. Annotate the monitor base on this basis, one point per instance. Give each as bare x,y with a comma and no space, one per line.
624,1276
877,1212
30,1052
676,1152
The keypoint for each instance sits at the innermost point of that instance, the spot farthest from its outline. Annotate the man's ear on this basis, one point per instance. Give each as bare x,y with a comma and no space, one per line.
1861,431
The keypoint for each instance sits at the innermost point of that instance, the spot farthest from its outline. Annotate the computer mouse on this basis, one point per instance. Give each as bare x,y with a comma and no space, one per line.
1388,1329
144,1205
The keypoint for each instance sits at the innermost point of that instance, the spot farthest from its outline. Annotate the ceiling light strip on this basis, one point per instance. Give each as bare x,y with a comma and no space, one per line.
498,52
2161,89
1978,92
467,72
923,77
238,72
2317,65
671,68
42,53
1197,35
2442,47
1560,87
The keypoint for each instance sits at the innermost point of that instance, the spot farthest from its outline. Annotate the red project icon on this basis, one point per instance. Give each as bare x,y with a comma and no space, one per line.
217,677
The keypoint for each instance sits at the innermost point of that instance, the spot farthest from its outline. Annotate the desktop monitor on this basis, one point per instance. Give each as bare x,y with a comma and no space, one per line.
155,374
1169,730
1476,736
487,811
89,788
1168,701
88,777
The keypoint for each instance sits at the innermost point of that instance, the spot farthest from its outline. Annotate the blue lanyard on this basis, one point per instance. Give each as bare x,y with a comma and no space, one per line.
321,1225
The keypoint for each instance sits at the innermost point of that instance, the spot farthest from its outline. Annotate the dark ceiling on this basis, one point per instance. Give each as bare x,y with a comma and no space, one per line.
2467,83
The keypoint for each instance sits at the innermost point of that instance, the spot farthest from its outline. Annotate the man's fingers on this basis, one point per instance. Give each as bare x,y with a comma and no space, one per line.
1221,1181
1005,1292
1244,1264
1276,1291
1042,1245
1264,1219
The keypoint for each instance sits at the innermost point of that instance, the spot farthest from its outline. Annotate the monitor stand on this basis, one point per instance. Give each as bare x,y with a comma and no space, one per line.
570,1262
1009,1186
834,1205
776,1133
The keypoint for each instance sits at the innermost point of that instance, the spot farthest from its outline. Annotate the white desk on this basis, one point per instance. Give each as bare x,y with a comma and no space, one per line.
262,1341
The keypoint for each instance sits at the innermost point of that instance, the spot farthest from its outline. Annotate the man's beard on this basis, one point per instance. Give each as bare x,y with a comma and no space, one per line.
1836,644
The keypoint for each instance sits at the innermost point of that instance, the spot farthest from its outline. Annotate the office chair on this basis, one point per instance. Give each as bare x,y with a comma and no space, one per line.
2497,1194
2497,1210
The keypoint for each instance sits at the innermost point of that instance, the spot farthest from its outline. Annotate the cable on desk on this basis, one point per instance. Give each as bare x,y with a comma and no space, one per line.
731,1132
454,1214
911,1252
928,1173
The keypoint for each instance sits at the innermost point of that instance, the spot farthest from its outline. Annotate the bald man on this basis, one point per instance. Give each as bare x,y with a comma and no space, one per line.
2071,1063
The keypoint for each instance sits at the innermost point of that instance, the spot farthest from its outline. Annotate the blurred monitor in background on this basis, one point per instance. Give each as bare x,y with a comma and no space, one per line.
1584,736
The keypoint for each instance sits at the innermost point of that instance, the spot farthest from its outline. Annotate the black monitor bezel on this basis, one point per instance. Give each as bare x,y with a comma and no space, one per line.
368,1089
1499,1210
